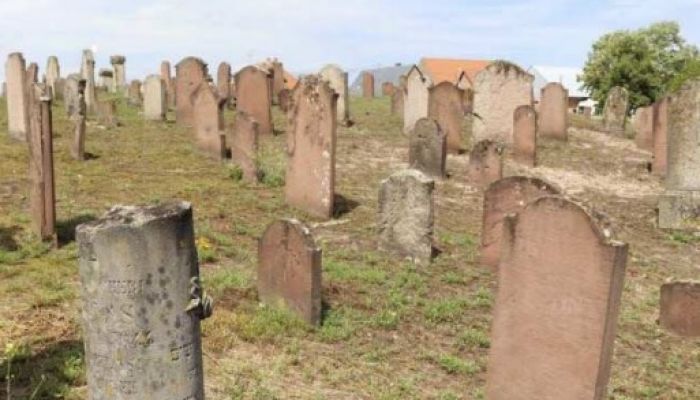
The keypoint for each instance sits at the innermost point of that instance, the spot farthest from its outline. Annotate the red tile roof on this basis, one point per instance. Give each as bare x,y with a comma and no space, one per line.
446,69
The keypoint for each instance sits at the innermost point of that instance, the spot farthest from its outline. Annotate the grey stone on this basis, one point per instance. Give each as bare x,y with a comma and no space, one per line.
79,117
427,148
338,80
155,104
87,71
17,102
416,98
119,67
615,111
53,73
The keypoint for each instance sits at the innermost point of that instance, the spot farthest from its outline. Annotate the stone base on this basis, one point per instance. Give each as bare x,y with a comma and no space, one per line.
679,209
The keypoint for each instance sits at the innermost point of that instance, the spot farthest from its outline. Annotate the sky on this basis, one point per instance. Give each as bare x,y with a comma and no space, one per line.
307,34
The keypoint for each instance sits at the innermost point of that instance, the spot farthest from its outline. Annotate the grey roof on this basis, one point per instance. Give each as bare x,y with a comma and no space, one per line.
381,75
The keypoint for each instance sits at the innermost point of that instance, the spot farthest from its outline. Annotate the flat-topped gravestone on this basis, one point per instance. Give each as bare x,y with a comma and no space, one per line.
106,81
504,197
427,149
499,89
367,84
107,113
169,83
79,118
209,122
445,105
135,99
615,111
189,74
245,146
119,66
142,304
644,128
406,216
485,163
155,104
560,280
311,140
53,73
223,81
660,145
680,308
525,135
553,111
338,80
87,71
416,98
289,269
17,101
253,96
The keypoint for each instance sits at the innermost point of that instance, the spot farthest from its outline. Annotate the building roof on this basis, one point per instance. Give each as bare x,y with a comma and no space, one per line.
565,75
448,69
381,75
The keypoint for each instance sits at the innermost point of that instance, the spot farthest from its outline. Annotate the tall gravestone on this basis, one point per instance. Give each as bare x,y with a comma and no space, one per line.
71,91
615,111
189,74
17,101
445,106
253,96
53,73
155,104
169,83
680,308
560,280
338,80
223,81
367,84
87,71
245,146
554,101
289,269
504,197
485,163
209,122
416,98
525,135
142,304
499,89
119,79
644,128
660,145
79,117
427,149
311,141
406,216
679,206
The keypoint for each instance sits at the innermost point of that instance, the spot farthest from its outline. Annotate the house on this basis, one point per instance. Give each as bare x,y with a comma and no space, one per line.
567,76
381,75
461,72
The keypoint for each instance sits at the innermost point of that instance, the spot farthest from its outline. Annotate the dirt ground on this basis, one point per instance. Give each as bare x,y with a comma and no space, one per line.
391,330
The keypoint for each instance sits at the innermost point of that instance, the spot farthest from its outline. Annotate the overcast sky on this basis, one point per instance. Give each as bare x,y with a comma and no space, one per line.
306,34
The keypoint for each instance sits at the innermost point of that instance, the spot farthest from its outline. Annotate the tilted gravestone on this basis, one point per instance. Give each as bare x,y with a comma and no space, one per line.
560,280
615,111
525,135
680,308
445,105
17,101
119,80
155,102
503,197
245,145
209,122
367,85
338,80
679,206
644,128
253,96
416,98
554,101
406,216
427,148
142,304
189,74
311,140
660,146
79,118
289,269
485,163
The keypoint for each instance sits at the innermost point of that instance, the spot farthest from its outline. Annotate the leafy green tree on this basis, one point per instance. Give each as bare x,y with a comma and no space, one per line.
645,62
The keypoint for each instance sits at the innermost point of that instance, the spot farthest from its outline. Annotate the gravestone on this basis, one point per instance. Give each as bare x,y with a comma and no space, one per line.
59,86
560,279
169,83
660,145
142,304
311,140
209,122
285,100
245,146
615,111
504,197
445,105
107,113
17,101
42,194
485,163
289,269
53,73
680,308
427,149
78,116
644,128
406,216
71,93
338,80
32,76
106,79
525,136
155,104
679,206
367,85
134,93
553,111
397,102
253,96
277,84
499,89
223,82
416,98
388,89
189,74
87,71
119,66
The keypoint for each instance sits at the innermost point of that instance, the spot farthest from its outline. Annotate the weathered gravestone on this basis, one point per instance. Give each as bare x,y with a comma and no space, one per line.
289,269
388,89
253,96
311,138
406,216
119,67
553,111
680,308
679,206
79,118
503,197
615,111
32,76
17,101
245,145
338,80
223,82
169,83
189,74
427,149
53,73
277,83
42,194
525,136
106,79
397,102
485,163
209,122
155,104
644,128
560,279
499,89
71,92
134,94
416,98
107,113
660,145
445,106
142,304
59,86
285,100
367,85
87,71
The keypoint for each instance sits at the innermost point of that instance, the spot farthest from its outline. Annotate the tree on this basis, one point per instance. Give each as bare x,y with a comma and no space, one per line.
644,62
